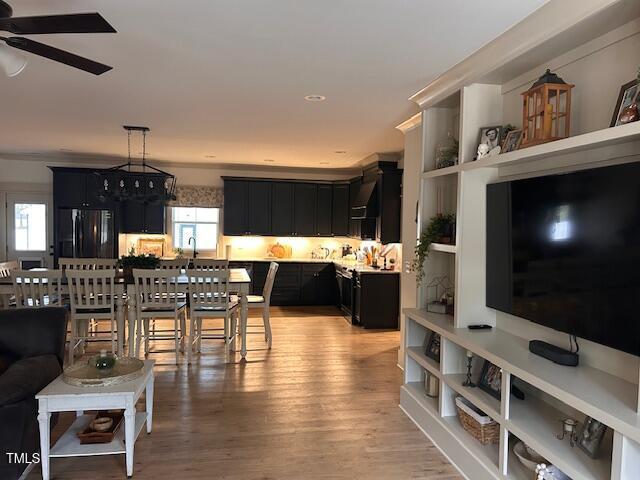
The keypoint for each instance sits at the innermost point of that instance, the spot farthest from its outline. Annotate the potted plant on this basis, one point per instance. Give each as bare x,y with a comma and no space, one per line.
131,261
447,154
439,230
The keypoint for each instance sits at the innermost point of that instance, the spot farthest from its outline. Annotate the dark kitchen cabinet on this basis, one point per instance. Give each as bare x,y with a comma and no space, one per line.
138,217
354,224
286,287
324,199
318,284
376,299
340,210
282,209
304,209
79,188
236,202
259,208
259,277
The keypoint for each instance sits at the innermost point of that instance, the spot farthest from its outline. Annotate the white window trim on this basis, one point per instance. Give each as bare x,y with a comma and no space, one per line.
189,251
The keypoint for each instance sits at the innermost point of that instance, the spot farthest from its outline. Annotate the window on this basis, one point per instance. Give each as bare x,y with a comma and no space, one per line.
200,223
30,227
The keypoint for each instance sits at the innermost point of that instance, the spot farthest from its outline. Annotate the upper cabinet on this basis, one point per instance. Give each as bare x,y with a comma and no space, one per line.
236,207
305,209
281,209
324,211
340,209
78,188
255,206
259,208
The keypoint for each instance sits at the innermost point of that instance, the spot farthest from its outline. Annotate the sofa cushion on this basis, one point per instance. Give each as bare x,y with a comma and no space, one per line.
26,377
5,362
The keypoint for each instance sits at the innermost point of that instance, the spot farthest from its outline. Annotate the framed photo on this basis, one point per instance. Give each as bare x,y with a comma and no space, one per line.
491,379
591,436
490,136
629,93
513,141
433,347
151,246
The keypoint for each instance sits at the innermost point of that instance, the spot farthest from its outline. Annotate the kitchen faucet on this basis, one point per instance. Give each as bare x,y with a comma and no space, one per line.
195,252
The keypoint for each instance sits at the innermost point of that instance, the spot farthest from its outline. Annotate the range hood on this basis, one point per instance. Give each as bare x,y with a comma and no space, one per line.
366,202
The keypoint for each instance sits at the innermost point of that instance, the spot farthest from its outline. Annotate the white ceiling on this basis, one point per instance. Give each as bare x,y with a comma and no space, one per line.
228,77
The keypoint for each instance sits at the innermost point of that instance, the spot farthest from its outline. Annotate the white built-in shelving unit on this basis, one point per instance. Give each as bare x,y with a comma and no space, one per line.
593,44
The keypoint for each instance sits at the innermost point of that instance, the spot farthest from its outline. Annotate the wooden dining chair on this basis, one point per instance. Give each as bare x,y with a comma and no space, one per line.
6,268
156,297
210,264
37,288
209,297
87,263
92,298
264,301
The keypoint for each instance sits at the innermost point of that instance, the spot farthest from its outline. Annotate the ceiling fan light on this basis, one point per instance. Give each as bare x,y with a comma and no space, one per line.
11,61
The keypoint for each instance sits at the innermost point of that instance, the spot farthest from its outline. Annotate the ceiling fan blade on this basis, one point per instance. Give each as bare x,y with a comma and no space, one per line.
73,23
57,55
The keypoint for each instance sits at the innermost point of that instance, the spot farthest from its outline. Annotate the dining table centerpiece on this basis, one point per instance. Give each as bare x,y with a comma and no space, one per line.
128,262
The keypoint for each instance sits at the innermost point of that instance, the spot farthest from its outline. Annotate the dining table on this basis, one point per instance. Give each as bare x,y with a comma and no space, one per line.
124,288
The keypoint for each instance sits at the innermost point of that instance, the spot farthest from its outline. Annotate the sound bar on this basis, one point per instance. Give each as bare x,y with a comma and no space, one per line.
555,354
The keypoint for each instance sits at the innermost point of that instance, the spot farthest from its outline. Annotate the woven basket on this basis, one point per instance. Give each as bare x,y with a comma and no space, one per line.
482,427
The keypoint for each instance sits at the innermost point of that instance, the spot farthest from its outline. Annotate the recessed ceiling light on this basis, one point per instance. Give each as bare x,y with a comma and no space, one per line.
324,163
66,150
315,98
209,156
340,152
269,160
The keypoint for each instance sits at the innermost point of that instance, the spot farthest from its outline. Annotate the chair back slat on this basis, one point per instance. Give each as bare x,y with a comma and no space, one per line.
87,263
7,267
210,264
179,263
91,289
268,284
37,288
156,288
209,288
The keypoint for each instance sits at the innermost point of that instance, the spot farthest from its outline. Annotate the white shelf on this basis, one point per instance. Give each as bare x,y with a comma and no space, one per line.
440,172
425,362
609,399
488,454
69,444
481,399
537,423
579,143
416,389
516,471
441,247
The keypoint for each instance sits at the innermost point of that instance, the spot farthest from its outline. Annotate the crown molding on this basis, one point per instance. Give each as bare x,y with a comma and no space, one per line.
410,123
551,30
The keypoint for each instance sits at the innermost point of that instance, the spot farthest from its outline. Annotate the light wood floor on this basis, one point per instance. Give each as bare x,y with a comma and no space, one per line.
322,404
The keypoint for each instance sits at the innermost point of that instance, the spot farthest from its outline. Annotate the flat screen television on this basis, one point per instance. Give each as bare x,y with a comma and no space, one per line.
563,251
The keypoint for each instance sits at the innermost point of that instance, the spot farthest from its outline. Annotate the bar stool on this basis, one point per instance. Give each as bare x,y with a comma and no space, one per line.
264,301
156,293
37,288
92,298
210,298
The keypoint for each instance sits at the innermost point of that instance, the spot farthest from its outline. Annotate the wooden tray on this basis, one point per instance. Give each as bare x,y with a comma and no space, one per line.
88,435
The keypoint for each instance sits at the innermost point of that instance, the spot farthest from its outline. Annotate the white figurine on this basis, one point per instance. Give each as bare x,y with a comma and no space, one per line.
483,151
495,151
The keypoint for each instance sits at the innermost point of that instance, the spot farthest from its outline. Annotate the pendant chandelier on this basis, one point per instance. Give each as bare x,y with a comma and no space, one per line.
136,181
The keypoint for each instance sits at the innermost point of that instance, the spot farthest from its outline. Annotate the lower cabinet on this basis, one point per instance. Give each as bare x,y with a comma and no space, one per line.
295,283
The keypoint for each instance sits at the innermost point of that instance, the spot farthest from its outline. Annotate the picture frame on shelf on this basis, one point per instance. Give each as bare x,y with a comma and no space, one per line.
151,246
512,141
590,436
628,96
490,379
432,350
489,139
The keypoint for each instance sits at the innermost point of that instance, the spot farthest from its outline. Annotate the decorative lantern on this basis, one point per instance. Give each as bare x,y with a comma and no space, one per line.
546,113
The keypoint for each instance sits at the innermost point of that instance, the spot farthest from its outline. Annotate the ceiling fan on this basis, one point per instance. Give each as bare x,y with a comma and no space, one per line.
72,23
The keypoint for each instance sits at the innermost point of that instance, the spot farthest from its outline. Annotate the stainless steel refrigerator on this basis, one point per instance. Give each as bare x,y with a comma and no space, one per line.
85,233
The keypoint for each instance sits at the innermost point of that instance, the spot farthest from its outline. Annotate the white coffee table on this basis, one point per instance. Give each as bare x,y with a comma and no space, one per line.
59,396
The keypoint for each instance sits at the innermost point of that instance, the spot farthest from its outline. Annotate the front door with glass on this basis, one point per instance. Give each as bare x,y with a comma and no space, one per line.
29,223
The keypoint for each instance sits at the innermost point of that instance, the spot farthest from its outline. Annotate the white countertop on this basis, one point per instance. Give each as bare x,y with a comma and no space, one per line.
358,267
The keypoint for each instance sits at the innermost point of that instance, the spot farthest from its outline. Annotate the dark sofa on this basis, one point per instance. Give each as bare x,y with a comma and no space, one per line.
31,354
